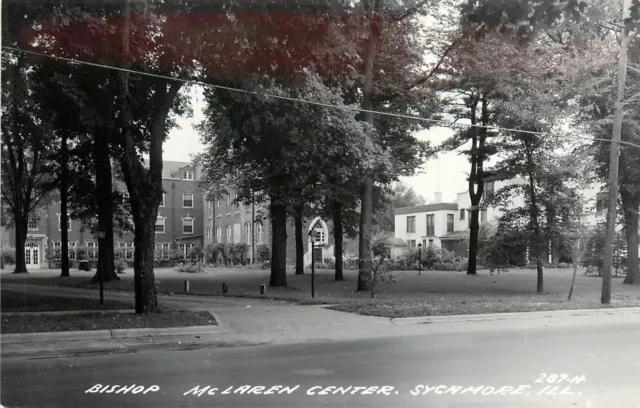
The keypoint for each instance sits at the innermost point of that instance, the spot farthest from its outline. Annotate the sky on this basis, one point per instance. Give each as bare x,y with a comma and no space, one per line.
446,174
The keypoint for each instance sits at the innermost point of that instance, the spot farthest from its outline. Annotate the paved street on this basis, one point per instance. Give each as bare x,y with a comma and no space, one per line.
472,362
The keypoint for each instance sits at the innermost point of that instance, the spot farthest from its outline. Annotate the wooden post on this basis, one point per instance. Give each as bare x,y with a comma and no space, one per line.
577,250
313,269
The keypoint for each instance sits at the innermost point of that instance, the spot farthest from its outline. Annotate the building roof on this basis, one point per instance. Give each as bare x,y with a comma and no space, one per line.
171,168
426,208
455,236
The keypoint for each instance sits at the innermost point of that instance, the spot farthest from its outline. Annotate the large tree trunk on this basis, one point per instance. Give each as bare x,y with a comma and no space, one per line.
537,234
476,183
299,240
366,212
278,244
144,242
365,276
64,217
630,207
338,236
20,223
104,195
474,230
144,184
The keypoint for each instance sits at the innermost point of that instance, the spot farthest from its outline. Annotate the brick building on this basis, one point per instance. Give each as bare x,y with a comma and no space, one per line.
179,225
229,222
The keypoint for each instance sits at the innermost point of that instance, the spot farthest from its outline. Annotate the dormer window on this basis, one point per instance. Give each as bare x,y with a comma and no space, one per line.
187,175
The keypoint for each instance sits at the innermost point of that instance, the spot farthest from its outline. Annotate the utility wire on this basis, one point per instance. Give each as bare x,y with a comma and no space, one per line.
317,103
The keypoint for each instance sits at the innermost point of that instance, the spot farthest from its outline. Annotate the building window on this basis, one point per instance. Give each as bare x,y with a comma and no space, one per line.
247,232
259,233
449,222
60,223
187,225
218,235
412,243
185,249
430,225
424,243
462,213
488,190
411,224
228,232
163,198
187,175
237,203
218,207
319,236
160,225
127,250
57,249
209,234
33,222
187,200
72,249
228,204
601,202
162,251
92,250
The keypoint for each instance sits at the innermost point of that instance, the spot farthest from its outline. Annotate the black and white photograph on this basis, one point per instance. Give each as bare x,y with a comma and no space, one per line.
320,203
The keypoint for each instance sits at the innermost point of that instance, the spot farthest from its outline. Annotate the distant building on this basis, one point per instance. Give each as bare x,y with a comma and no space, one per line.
178,226
227,221
444,225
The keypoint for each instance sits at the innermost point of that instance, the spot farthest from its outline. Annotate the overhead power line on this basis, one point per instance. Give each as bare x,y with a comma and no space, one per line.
310,102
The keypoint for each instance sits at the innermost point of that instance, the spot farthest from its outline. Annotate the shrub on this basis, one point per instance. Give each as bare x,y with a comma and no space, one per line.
326,265
175,254
189,268
120,265
462,265
211,253
381,248
9,255
237,252
196,253
226,252
443,266
82,253
263,253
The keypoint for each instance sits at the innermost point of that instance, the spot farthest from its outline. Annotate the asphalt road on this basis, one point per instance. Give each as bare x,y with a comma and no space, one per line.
593,365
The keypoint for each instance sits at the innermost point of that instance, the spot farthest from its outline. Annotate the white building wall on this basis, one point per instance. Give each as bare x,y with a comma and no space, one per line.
420,234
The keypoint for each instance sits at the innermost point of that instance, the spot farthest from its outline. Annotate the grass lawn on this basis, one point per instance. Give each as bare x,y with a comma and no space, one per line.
432,293
27,302
101,321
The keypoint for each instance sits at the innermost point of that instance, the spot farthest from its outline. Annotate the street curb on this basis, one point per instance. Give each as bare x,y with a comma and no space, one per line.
512,316
55,336
68,312
106,334
192,330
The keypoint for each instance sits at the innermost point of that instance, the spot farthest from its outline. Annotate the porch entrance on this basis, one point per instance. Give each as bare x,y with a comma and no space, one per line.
32,255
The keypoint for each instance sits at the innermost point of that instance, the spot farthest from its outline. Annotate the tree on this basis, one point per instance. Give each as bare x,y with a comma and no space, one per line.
277,148
401,195
144,184
26,140
596,116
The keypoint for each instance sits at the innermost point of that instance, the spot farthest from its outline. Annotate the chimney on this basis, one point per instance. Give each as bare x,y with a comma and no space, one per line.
437,197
